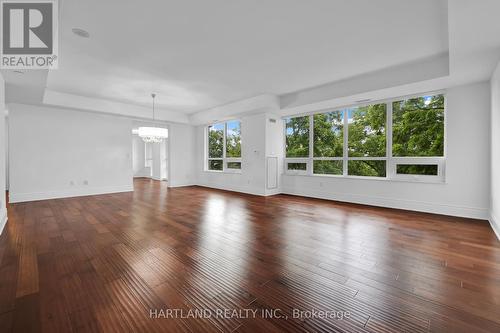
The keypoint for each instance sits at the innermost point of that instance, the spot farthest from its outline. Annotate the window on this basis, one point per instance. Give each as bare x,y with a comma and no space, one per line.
328,167
401,138
329,134
367,140
297,166
367,131
417,169
328,143
418,138
367,168
233,165
224,146
297,137
233,139
418,127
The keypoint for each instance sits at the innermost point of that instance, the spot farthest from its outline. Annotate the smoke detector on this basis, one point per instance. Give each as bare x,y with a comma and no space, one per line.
80,32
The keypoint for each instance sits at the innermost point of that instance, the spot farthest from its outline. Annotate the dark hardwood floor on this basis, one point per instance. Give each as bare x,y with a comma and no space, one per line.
117,263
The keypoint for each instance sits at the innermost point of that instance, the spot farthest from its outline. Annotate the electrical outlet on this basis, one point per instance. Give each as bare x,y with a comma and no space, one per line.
72,183
85,182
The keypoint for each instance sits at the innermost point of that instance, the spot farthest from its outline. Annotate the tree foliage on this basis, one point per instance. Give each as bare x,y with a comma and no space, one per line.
368,168
418,127
329,134
367,131
233,139
418,169
367,138
215,141
216,144
418,130
215,165
297,137
328,167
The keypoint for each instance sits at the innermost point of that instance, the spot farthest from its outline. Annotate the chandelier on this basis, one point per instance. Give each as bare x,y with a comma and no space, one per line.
152,134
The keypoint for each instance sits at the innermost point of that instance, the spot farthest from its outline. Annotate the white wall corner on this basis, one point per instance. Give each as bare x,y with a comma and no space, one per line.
273,192
3,219
495,224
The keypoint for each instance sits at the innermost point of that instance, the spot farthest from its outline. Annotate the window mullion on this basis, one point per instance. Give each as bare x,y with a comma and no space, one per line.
311,145
207,147
224,148
346,141
391,171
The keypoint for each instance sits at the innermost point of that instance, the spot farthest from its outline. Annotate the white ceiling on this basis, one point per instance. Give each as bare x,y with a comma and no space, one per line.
197,54
288,56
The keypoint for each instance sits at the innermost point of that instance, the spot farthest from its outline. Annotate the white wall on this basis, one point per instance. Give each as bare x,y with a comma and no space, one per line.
495,151
156,167
164,159
181,161
252,177
54,152
51,147
466,192
260,139
3,209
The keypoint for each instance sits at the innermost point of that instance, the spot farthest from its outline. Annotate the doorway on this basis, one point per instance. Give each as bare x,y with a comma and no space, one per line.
149,160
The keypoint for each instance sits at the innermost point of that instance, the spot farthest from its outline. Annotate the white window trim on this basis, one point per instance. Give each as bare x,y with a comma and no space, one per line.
391,161
224,159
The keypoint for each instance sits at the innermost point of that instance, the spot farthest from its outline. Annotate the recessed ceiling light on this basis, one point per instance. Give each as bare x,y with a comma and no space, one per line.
80,32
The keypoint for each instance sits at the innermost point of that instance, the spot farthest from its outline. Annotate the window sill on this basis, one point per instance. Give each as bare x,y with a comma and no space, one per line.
383,179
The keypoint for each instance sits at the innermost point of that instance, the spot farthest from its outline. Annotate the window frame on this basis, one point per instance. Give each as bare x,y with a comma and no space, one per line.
391,161
224,158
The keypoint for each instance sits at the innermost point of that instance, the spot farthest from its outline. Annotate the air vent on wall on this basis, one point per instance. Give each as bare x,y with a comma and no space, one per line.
271,120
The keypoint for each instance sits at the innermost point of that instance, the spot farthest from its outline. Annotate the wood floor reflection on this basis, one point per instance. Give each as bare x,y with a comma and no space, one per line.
115,263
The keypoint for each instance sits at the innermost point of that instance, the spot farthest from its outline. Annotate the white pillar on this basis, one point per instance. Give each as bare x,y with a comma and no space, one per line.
156,165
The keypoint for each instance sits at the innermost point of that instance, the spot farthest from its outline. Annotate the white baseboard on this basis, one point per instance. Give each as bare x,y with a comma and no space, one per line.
420,206
495,224
3,219
68,193
181,185
241,189
413,205
273,192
